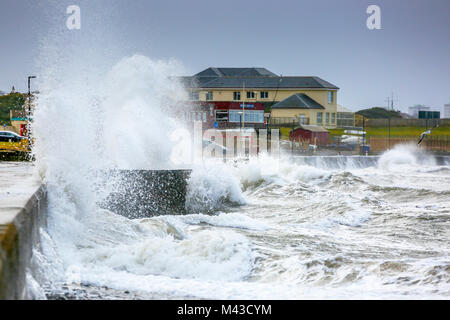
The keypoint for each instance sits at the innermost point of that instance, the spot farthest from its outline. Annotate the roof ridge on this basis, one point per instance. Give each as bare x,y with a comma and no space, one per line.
216,70
300,97
297,95
298,76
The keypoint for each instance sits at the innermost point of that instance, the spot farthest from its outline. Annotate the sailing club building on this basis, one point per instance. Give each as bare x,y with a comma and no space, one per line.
243,97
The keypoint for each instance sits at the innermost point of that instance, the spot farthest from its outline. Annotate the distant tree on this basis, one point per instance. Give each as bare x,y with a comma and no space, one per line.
12,101
379,113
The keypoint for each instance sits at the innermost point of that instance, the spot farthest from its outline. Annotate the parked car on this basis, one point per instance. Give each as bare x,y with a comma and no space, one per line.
11,141
9,136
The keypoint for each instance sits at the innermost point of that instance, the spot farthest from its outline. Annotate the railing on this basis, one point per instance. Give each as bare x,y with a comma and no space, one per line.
431,143
397,122
287,121
343,122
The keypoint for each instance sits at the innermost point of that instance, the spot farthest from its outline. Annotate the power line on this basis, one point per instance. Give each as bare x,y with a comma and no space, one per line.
390,100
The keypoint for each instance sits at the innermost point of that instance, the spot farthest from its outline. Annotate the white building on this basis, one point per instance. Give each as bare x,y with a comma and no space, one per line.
345,117
447,111
414,111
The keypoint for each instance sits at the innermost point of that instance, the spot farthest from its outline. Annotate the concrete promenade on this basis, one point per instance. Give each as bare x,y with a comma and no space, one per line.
21,196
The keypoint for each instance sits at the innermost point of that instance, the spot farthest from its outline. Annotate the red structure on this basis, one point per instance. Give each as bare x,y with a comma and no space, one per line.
232,114
23,130
222,114
313,134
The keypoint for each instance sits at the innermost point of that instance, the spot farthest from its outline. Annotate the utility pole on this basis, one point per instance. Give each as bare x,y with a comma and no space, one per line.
389,121
389,136
390,100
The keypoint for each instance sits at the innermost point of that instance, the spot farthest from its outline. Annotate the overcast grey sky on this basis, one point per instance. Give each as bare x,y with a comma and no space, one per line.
409,56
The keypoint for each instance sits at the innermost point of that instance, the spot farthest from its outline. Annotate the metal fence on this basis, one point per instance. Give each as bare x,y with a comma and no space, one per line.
432,143
287,121
398,122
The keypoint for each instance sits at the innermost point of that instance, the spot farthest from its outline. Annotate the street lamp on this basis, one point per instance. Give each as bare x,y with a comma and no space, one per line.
363,134
292,135
240,140
240,121
29,92
29,102
389,134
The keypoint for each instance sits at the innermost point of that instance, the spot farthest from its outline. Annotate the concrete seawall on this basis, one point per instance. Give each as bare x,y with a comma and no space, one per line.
342,162
23,204
145,193
23,211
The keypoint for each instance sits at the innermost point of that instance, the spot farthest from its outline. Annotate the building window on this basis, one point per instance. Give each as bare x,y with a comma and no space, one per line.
237,96
264,94
211,109
319,117
209,96
194,96
302,119
330,96
327,117
251,95
235,116
251,116
204,116
221,115
333,118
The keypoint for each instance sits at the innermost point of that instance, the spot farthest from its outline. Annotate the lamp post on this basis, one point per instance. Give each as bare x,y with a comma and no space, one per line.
292,136
29,102
243,101
240,122
389,133
240,140
29,92
363,134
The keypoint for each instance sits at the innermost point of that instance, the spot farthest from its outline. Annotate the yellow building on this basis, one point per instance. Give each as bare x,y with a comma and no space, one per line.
310,100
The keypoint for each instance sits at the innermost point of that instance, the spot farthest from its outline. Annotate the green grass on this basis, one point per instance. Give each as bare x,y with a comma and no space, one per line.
412,132
397,131
336,132
284,132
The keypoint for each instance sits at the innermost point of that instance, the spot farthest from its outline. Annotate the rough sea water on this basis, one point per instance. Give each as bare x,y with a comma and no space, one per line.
266,229
269,228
